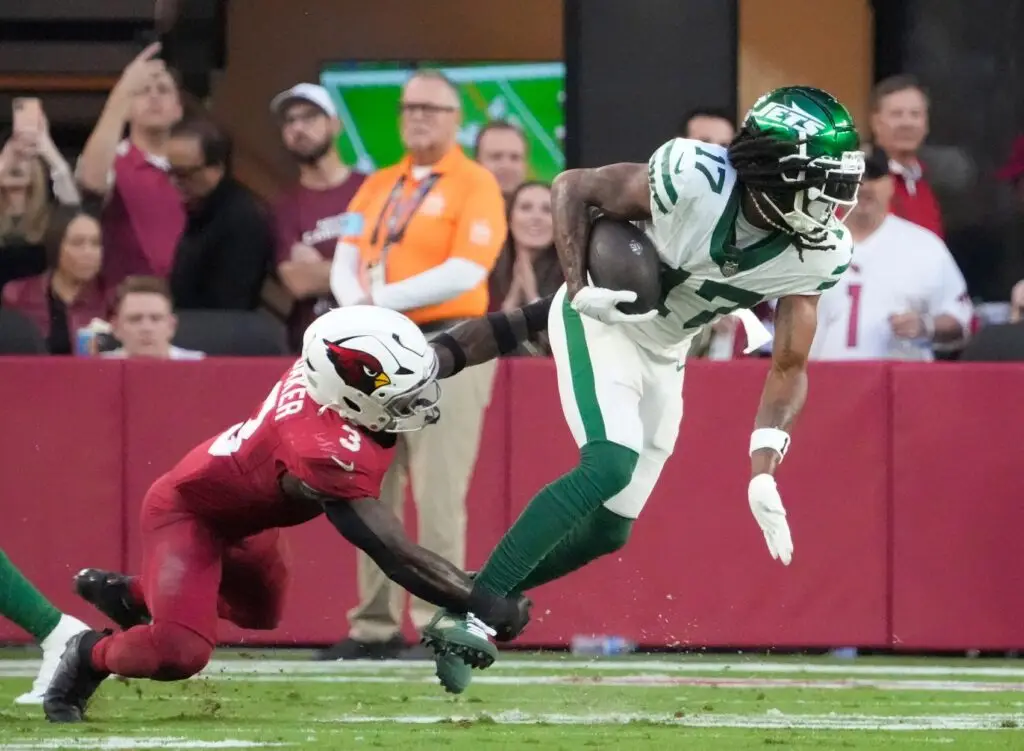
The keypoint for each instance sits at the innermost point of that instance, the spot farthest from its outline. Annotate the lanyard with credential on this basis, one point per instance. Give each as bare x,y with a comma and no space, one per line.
399,213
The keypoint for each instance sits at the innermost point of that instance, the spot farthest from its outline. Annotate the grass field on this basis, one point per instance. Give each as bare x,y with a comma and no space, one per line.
546,702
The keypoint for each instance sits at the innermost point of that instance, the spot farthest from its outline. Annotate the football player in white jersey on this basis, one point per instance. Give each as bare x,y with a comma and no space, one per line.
733,226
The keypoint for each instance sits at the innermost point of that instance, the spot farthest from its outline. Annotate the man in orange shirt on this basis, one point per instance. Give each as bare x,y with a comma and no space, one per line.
421,238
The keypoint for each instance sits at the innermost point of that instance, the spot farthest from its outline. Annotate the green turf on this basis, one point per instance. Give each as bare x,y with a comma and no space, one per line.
561,704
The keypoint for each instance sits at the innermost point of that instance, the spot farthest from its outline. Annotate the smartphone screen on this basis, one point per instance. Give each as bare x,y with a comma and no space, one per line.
27,114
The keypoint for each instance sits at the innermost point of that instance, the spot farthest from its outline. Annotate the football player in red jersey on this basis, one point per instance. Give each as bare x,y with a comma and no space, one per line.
319,444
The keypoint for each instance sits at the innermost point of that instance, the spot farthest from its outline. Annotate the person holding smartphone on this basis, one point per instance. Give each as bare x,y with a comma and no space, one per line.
33,177
28,161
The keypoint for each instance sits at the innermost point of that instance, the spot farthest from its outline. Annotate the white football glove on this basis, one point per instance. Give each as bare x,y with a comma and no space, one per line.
766,505
599,303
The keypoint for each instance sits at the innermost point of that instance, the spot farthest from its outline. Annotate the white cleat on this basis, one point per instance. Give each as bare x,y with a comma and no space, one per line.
53,647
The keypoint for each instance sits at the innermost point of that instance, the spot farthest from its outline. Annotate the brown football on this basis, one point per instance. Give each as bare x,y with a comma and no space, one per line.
621,256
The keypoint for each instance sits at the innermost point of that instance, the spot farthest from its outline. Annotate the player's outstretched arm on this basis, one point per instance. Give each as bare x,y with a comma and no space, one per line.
619,190
481,339
373,528
785,391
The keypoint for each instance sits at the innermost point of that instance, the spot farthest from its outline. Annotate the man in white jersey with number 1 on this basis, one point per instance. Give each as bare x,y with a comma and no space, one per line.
903,295
733,226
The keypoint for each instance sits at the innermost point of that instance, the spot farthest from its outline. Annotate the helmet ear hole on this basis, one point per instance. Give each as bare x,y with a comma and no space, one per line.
352,405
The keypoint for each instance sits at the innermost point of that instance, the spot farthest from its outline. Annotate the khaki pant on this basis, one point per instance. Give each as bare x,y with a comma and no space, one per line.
440,460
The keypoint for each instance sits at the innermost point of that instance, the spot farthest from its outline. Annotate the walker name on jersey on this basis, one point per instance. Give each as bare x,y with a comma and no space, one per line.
792,117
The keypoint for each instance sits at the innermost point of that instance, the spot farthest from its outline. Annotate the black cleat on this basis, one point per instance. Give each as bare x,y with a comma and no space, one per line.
109,593
75,681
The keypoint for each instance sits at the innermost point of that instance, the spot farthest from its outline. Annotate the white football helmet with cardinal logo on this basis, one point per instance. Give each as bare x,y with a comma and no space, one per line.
373,366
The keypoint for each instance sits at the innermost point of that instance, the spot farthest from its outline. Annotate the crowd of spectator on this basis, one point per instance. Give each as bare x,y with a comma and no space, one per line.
152,198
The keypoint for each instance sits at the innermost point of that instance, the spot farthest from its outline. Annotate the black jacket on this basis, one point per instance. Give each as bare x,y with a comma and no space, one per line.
225,252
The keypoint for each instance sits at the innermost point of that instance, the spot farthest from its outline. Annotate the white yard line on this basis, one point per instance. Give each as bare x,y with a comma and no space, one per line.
773,719
625,666
23,668
649,681
116,743
349,673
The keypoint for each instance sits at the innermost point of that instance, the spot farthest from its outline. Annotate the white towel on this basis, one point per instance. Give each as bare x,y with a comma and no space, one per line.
757,334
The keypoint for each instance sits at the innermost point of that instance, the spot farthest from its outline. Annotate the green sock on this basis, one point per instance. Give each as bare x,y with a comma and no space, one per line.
601,533
23,603
605,468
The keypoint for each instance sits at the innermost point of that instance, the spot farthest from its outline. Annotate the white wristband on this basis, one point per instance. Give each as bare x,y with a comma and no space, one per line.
770,438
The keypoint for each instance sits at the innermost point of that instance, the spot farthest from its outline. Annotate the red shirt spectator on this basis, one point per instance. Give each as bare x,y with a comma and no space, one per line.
310,216
143,215
899,122
912,197
143,218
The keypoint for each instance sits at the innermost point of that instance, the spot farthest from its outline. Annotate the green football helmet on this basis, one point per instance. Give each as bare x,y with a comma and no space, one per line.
799,150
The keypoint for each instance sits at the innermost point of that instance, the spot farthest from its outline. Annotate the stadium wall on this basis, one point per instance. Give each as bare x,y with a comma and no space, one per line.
902,489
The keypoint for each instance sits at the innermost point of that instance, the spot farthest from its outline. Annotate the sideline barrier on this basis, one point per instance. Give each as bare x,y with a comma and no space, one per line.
903,493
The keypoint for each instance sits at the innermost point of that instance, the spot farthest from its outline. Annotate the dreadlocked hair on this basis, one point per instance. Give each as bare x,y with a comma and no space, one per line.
757,158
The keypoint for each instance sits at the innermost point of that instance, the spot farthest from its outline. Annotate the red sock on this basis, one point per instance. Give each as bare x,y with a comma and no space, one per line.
161,651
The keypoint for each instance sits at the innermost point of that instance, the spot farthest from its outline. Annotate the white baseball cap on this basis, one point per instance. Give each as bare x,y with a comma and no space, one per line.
307,92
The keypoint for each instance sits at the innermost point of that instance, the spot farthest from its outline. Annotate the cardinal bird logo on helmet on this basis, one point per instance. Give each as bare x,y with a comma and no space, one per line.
357,368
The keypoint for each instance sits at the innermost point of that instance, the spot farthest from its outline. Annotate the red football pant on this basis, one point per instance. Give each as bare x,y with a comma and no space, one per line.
190,577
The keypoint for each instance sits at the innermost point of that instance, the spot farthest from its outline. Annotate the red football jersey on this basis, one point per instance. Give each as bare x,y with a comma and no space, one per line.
232,479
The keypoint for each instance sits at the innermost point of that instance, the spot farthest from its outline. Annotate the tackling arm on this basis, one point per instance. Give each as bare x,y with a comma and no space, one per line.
481,339
785,390
619,190
371,527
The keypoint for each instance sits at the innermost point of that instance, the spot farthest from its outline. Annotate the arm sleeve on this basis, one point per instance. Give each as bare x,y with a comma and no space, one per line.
451,279
344,275
344,280
65,189
479,236
481,229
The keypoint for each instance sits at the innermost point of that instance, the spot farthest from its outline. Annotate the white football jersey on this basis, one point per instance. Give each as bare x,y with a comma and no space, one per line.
714,260
899,268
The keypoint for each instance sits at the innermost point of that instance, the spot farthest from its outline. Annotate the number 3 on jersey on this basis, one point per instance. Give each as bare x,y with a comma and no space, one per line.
231,439
352,439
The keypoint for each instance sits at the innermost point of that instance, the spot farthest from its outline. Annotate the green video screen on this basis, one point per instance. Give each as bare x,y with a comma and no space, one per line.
530,95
